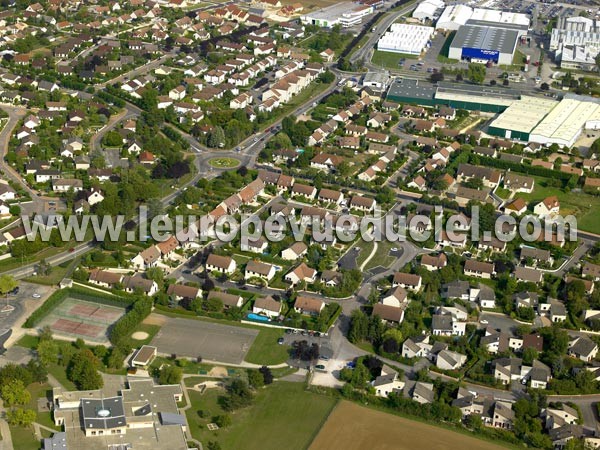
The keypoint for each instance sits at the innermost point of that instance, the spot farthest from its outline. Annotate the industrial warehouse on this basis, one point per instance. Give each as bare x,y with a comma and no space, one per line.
345,14
524,118
481,44
405,38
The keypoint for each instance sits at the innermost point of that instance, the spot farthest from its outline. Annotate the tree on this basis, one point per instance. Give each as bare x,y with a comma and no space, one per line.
83,370
545,87
358,326
255,378
216,137
170,374
14,393
435,77
474,422
14,210
239,396
360,376
7,284
21,417
267,375
214,304
115,359
113,139
45,333
476,73
48,352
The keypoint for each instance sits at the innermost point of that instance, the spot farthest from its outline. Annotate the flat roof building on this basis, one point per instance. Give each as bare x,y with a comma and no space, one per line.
481,43
575,42
428,9
144,416
406,38
454,16
346,14
565,123
521,117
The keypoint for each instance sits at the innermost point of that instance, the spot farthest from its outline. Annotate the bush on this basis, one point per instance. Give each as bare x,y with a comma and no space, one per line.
223,421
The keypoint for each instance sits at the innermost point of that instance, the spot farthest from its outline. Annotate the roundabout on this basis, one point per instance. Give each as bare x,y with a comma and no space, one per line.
223,162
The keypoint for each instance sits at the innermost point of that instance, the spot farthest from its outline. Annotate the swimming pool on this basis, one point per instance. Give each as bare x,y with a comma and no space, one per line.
253,316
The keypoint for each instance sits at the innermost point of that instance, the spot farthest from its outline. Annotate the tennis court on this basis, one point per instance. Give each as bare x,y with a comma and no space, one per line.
81,318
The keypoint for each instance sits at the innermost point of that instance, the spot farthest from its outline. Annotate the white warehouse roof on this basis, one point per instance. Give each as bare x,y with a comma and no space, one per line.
405,38
456,15
427,9
566,121
524,114
494,15
453,17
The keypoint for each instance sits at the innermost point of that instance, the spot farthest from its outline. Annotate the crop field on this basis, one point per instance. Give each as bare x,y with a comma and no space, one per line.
353,427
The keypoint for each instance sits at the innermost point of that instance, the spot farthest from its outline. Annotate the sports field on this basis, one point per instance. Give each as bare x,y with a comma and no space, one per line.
196,338
82,319
354,427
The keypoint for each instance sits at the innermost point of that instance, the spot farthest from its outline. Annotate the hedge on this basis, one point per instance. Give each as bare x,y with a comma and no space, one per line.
521,168
120,333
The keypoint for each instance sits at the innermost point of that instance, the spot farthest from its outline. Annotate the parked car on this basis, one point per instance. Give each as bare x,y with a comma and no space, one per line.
320,367
280,341
36,295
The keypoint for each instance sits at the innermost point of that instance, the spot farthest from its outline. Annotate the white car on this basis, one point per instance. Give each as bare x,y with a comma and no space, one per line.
36,295
483,322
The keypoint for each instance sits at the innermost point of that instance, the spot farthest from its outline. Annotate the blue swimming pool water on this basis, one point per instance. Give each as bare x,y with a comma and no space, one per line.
257,317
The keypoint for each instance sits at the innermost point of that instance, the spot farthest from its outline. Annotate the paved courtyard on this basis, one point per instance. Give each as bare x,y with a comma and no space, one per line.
210,341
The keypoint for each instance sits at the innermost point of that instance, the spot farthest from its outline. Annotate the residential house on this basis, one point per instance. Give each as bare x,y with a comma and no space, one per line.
229,300
407,281
146,259
446,325
180,292
308,305
387,383
258,245
295,251
257,269
479,269
267,306
222,264
301,273
583,348
548,208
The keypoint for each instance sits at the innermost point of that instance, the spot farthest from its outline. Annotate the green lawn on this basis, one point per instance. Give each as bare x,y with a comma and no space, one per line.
60,374
56,274
283,416
583,206
150,329
24,439
389,59
382,256
224,163
365,250
41,390
28,341
503,193
265,349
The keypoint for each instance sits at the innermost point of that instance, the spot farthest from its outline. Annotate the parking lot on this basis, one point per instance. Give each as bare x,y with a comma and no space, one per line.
23,303
323,342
